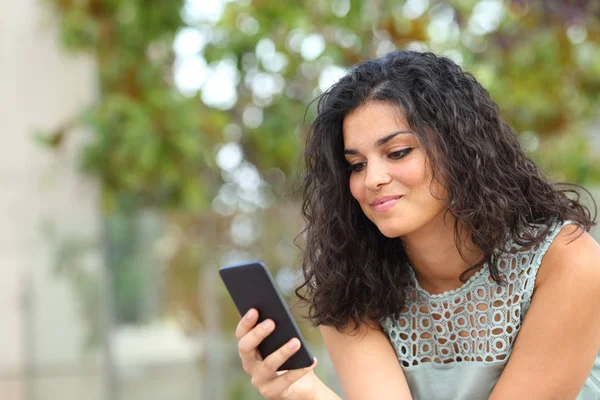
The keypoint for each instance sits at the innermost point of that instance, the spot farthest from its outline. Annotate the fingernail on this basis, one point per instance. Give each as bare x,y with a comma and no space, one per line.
250,314
267,325
293,344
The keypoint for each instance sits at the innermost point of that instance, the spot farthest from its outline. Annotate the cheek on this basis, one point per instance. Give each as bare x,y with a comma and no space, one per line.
355,187
414,174
417,176
439,192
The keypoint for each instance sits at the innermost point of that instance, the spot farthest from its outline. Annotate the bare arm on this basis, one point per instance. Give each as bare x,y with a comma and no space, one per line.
323,392
366,364
560,337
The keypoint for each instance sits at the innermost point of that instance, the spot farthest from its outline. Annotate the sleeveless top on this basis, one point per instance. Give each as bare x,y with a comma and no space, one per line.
454,345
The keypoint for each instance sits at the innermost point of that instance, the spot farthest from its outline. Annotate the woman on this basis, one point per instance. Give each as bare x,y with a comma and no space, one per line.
440,263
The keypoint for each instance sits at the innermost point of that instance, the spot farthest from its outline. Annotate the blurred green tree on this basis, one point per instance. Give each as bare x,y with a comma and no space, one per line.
150,146
540,61
153,146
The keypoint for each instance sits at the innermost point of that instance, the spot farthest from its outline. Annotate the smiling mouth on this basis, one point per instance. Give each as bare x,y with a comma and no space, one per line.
386,205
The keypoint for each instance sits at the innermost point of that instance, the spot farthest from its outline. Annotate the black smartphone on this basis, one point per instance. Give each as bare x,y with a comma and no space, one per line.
251,285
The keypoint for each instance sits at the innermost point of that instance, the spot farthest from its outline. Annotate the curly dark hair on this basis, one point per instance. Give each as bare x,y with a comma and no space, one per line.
352,273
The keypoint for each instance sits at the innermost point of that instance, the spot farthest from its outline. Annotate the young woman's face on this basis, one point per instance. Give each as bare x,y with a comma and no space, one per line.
390,177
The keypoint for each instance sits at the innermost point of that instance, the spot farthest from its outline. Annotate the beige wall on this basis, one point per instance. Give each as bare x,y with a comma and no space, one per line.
39,88
41,327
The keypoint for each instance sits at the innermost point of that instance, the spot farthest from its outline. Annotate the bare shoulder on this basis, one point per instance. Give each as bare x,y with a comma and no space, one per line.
573,256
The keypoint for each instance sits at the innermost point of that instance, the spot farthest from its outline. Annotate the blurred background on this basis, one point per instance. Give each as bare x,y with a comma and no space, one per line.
147,143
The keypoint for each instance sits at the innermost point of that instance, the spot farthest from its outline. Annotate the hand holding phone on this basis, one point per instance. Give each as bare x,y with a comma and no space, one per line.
266,323
251,286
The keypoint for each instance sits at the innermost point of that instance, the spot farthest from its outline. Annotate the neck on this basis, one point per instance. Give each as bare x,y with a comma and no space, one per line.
435,258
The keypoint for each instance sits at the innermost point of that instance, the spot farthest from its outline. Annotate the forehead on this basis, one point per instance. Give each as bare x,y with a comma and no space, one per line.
371,121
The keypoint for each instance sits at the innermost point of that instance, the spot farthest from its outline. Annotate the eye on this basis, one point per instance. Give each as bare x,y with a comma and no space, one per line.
356,167
396,155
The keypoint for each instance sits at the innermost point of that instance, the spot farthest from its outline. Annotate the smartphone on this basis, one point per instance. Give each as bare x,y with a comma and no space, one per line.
251,285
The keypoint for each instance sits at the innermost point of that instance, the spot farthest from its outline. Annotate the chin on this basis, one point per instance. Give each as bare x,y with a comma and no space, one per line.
391,235
391,231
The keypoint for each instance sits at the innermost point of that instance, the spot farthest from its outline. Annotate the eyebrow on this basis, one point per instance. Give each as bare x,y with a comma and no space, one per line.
379,142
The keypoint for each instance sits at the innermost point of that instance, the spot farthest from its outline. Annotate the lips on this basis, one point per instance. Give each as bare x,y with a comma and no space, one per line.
383,204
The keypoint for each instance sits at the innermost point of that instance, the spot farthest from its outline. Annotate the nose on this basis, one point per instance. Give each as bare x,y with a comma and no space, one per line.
376,176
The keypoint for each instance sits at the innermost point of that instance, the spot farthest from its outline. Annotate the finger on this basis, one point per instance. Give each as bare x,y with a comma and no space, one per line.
270,365
247,345
246,323
281,383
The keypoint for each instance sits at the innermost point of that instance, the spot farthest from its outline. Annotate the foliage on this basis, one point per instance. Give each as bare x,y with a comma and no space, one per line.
147,144
539,60
152,146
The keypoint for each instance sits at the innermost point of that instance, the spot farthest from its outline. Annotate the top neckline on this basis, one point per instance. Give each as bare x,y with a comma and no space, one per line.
484,272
